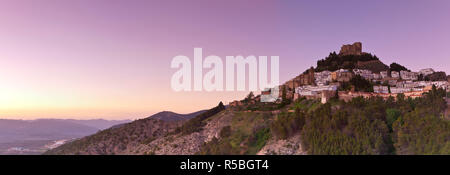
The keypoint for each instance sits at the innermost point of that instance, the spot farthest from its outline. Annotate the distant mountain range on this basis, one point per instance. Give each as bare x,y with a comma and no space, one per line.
98,123
25,134
12,130
34,136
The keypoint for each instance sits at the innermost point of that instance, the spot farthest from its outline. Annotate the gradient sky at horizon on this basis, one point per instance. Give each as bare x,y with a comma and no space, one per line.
111,58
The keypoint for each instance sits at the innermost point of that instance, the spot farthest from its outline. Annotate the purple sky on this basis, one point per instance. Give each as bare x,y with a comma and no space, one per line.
111,59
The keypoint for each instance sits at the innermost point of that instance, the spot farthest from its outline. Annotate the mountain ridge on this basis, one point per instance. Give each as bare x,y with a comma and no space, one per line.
172,116
118,139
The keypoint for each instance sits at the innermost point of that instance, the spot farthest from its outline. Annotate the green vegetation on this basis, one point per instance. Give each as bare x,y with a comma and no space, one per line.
335,62
247,134
397,67
264,106
422,130
287,124
353,129
421,133
369,126
112,140
360,126
249,97
258,140
195,124
359,83
392,115
258,106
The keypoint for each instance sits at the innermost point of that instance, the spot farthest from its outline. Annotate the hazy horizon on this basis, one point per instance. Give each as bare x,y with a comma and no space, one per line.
66,119
111,59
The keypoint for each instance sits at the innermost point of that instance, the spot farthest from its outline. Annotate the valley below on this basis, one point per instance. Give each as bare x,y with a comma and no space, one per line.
34,137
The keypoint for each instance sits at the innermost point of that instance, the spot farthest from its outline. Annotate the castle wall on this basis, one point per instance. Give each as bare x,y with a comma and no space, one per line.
351,49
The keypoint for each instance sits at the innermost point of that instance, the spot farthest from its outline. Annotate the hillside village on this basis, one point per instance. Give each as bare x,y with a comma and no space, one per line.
385,81
350,104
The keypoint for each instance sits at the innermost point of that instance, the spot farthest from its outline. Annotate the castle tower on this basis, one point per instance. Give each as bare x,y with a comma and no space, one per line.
351,49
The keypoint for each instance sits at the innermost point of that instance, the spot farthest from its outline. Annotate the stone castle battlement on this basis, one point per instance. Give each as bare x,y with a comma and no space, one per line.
351,49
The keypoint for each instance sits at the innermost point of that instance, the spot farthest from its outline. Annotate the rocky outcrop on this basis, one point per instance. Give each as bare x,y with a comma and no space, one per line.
306,78
290,146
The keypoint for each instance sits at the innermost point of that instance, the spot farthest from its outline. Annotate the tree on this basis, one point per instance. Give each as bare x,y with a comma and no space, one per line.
400,97
249,97
392,115
397,67
359,83
334,61
283,93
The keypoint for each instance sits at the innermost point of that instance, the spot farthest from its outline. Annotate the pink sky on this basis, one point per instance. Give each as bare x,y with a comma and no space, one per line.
111,59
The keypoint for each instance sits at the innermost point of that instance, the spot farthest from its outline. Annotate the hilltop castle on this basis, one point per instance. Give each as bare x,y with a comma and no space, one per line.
335,71
351,49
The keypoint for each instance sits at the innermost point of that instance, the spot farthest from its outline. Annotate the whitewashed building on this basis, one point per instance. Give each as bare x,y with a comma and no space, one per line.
314,90
410,84
366,74
384,74
322,78
376,76
440,84
397,90
380,89
392,82
406,75
395,74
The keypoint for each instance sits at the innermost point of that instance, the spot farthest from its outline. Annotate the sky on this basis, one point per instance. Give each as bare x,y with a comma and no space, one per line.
111,59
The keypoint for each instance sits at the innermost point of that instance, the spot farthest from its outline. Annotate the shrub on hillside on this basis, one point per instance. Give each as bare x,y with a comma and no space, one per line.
195,124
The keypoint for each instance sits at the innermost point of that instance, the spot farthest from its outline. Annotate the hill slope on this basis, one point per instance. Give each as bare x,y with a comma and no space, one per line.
304,126
172,116
367,61
120,139
360,126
